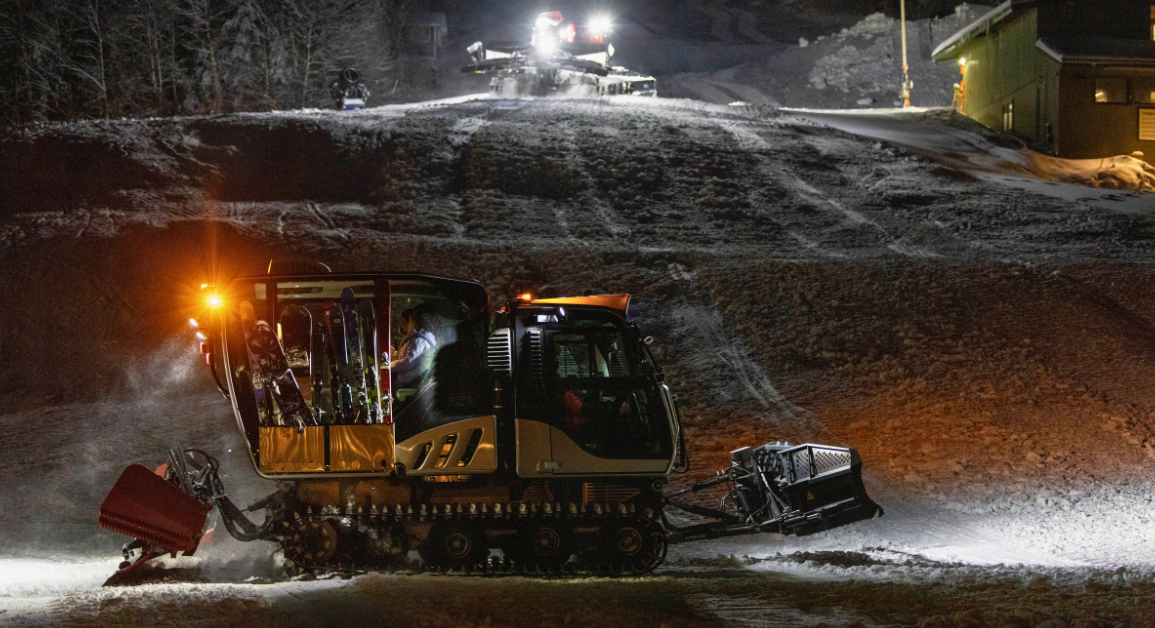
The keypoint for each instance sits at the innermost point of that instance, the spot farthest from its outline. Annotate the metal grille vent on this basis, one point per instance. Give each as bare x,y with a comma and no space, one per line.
829,460
533,338
800,460
600,492
499,352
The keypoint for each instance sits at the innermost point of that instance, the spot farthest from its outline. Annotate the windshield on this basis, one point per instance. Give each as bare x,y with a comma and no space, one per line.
601,397
590,354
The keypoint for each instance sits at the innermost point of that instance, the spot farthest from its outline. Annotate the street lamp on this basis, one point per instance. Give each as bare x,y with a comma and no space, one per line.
907,85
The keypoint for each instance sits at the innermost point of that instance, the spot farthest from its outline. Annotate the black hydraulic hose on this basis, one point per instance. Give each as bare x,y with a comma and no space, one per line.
236,523
217,379
683,454
233,519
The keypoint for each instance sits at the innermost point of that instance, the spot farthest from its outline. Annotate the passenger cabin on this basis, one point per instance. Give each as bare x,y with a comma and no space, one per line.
1076,79
402,374
340,334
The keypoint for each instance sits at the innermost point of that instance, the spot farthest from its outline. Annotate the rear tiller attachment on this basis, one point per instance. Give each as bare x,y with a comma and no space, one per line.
789,489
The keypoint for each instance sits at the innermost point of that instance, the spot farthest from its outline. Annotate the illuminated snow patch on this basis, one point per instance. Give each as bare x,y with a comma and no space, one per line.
35,578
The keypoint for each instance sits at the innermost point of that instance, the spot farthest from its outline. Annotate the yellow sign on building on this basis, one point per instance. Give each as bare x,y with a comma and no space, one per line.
1147,124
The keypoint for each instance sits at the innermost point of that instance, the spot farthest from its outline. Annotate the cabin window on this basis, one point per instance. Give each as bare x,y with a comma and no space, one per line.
1144,90
1111,90
1009,117
596,354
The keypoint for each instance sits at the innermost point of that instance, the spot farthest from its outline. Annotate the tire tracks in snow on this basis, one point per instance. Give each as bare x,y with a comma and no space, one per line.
713,346
602,209
460,138
325,221
751,142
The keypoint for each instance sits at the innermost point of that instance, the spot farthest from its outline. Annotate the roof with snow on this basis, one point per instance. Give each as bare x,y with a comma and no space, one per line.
1099,50
951,48
1065,48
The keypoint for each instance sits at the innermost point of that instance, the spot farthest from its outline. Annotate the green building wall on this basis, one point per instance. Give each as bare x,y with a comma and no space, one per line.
1054,105
1006,68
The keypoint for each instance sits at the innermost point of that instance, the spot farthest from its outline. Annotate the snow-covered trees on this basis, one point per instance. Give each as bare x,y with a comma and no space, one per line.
62,59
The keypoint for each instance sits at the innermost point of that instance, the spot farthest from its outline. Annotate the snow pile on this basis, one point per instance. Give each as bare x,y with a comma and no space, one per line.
1122,172
859,64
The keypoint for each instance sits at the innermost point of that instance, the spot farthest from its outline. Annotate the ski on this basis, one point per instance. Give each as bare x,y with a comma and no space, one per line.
355,342
342,393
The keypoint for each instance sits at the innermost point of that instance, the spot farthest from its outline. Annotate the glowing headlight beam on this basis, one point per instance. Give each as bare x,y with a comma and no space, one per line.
601,24
547,45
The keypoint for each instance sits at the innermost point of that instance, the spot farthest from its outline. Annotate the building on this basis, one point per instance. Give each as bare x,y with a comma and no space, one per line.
1073,77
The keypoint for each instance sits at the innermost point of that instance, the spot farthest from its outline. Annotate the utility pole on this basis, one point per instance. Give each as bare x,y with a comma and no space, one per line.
906,84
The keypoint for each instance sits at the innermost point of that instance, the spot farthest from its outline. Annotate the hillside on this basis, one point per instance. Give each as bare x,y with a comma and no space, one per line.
986,348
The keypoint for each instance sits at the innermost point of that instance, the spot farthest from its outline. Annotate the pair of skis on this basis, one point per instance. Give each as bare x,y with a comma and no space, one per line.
341,393
355,400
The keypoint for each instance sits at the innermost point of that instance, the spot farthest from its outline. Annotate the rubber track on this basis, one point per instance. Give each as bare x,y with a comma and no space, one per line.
584,566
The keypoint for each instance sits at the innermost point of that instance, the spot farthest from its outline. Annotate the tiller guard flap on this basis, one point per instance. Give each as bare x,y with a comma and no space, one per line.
145,506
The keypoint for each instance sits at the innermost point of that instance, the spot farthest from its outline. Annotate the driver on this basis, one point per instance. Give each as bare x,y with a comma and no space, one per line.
416,350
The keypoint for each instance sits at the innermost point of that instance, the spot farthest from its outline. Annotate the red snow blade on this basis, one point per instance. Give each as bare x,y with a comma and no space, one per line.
144,506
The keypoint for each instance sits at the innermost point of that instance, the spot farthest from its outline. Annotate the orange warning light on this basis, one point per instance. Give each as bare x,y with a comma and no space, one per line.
214,300
526,297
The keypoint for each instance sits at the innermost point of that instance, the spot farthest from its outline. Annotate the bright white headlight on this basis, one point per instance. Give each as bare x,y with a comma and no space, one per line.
601,24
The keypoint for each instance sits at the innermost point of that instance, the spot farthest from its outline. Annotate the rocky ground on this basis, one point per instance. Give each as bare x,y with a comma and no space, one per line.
985,347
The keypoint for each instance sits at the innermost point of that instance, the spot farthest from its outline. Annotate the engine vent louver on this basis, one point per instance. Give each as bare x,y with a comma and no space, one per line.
499,352
533,338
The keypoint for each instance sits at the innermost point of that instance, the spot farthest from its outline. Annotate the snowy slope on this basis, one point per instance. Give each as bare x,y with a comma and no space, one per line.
987,346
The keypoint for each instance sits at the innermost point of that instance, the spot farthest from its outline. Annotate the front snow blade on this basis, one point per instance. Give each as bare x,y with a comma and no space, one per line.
145,506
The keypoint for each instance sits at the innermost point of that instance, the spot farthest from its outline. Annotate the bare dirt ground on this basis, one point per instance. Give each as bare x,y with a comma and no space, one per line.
985,346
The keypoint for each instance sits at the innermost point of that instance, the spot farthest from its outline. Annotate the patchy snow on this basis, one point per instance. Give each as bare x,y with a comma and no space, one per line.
942,135
1122,172
897,281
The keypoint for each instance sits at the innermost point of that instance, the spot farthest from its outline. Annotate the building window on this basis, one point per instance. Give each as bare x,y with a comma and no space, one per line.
1111,90
1143,90
1009,117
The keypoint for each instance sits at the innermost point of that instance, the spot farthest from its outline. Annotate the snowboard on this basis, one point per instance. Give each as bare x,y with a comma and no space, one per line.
271,370
323,380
